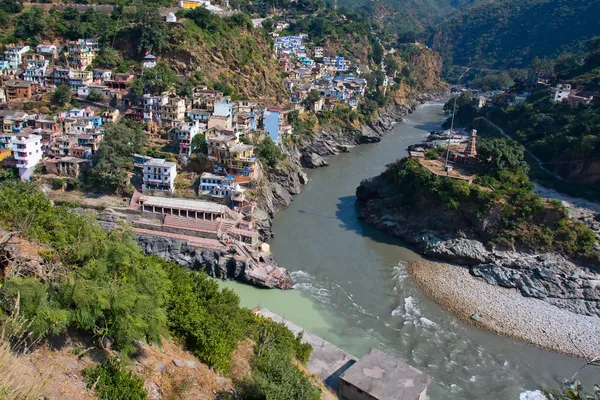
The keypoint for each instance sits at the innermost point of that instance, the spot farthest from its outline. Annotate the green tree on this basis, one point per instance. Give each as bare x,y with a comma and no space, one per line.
268,152
31,23
208,319
199,144
312,97
113,382
61,95
268,25
96,96
150,31
114,160
377,52
505,155
153,81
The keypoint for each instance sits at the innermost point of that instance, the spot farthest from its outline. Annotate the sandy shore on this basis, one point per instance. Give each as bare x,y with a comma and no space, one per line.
506,311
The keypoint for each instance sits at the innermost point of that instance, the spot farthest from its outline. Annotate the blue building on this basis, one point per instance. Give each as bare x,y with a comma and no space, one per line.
272,120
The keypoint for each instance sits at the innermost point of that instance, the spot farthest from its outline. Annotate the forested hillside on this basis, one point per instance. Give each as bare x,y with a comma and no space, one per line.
511,33
411,18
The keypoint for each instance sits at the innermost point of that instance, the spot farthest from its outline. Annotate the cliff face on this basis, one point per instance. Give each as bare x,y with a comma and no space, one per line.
587,171
220,265
454,237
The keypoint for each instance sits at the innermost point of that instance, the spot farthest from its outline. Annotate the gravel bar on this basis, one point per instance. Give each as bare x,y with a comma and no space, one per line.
505,311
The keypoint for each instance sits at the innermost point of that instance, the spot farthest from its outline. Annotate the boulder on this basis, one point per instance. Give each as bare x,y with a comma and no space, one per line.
459,251
312,160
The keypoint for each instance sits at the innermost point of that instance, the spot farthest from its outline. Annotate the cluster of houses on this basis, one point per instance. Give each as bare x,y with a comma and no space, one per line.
68,141
65,142
337,79
27,73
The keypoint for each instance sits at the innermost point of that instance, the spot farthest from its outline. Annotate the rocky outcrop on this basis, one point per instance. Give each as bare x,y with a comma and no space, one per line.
221,265
275,192
450,236
312,160
547,276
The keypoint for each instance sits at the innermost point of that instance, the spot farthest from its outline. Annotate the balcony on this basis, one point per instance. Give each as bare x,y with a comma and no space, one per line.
167,182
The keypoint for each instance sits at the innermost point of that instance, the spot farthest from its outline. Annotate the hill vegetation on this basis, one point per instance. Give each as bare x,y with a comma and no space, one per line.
564,136
100,283
511,33
508,215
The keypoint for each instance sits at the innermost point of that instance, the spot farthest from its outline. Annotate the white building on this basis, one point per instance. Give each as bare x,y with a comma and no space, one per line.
318,52
561,92
171,17
153,107
47,50
27,150
149,61
183,134
222,116
221,186
159,175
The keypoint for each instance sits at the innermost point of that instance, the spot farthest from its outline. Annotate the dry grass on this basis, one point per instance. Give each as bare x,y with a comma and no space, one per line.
326,393
15,382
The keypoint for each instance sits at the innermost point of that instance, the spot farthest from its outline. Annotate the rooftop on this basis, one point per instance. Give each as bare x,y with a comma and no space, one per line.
182,204
385,377
208,175
159,162
18,83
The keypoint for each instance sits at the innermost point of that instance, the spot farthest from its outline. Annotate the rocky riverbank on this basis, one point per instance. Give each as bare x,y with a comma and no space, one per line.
221,264
505,311
450,236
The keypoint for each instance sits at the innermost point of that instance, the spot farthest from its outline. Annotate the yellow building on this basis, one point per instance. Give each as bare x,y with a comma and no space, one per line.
189,4
230,157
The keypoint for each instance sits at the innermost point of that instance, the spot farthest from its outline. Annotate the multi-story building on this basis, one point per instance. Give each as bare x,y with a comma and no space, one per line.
17,89
82,53
159,175
189,4
183,134
35,71
101,75
221,186
273,121
230,157
13,57
56,76
153,107
27,151
79,78
173,111
222,116
121,81
67,166
205,98
197,114
318,52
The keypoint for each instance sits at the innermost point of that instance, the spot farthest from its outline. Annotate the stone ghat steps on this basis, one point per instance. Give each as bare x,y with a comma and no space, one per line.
192,224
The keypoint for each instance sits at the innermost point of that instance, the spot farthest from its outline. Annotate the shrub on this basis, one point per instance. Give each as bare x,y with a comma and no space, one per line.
112,382
209,320
58,183
268,152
